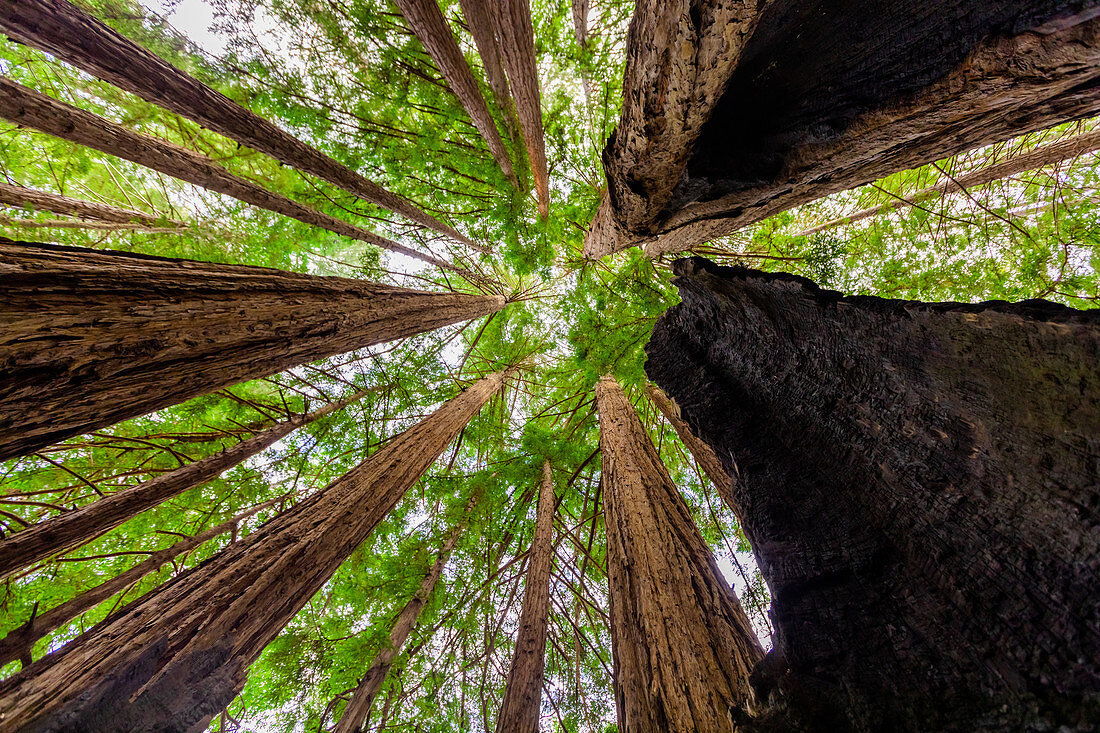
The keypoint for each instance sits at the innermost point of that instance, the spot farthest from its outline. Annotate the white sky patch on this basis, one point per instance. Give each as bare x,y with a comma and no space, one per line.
193,18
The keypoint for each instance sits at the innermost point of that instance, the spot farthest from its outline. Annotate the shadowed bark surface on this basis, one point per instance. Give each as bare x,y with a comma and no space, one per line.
483,29
682,646
89,338
177,657
921,485
29,198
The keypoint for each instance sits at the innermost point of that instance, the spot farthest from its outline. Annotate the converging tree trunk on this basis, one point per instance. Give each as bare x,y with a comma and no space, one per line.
682,645
175,658
27,107
18,642
734,112
921,485
429,25
89,338
63,30
67,530
362,700
29,198
519,713
483,29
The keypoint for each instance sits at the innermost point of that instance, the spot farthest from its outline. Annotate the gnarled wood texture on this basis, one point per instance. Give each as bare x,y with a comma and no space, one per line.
30,198
177,657
89,338
60,28
682,645
921,485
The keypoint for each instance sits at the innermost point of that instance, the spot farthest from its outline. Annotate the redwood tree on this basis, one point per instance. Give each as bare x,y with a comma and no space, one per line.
29,198
90,338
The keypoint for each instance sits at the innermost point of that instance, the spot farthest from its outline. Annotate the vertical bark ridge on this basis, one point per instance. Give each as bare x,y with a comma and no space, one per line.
178,656
89,338
483,30
27,107
519,713
429,25
63,30
682,645
67,530
22,197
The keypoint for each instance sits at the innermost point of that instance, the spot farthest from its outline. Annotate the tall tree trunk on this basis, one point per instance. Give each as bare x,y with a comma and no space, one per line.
358,708
700,451
516,34
921,485
483,29
68,530
27,107
843,93
178,656
683,647
100,226
63,30
89,338
1041,157
519,713
429,25
29,198
18,642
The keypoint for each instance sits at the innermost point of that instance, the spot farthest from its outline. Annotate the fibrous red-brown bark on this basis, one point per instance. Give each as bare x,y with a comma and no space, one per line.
29,198
178,656
478,19
734,112
71,529
60,28
27,107
519,713
18,642
921,485
682,645
89,338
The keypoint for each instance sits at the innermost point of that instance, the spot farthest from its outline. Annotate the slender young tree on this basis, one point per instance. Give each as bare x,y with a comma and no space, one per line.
60,28
29,198
127,334
175,658
67,530
27,107
18,642
358,709
519,713
683,647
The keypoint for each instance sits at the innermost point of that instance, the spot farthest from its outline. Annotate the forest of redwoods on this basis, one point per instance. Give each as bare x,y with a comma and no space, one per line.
510,365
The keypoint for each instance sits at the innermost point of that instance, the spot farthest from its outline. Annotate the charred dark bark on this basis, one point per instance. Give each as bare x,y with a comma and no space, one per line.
89,338
921,485
174,659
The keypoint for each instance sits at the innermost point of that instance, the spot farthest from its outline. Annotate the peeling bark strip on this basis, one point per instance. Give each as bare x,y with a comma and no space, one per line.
517,46
70,34
429,25
27,107
682,645
921,485
889,87
174,659
519,713
700,451
65,531
29,198
18,642
89,338
362,700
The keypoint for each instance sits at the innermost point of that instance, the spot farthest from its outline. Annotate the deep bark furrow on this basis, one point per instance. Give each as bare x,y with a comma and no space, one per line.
89,338
29,198
60,28
178,656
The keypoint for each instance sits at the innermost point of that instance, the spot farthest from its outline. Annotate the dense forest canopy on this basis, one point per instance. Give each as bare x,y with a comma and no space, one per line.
353,80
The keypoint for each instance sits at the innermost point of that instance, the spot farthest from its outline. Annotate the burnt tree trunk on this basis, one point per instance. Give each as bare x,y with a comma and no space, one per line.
735,112
519,713
29,198
89,338
68,530
63,30
429,25
921,485
175,658
27,107
683,648
18,642
362,700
